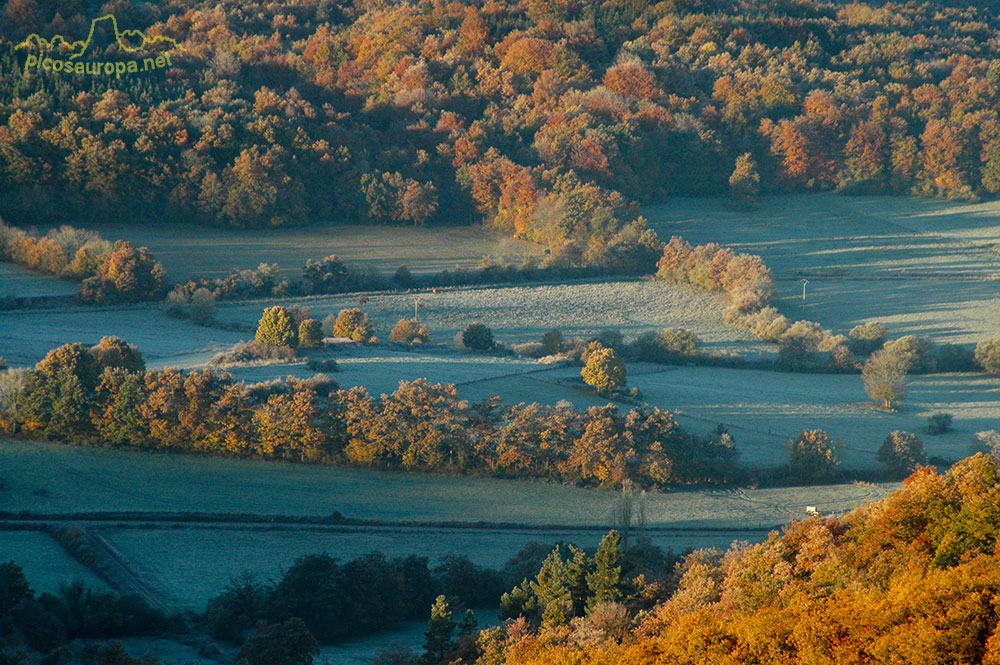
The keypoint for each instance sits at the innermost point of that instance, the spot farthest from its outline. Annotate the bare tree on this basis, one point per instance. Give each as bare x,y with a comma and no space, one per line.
885,377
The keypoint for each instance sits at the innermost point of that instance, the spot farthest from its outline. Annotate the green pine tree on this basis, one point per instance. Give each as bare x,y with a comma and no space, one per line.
468,624
440,628
551,587
604,581
577,570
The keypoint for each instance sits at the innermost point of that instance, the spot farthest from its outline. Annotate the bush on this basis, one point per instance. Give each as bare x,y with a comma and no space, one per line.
410,331
812,458
275,327
669,345
987,442
477,336
529,349
402,279
867,338
914,352
954,358
939,423
310,334
354,324
253,351
604,370
325,365
987,354
202,306
552,342
900,454
288,643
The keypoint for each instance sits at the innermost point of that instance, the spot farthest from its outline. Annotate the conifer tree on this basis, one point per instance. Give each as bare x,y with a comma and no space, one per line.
604,581
439,632
577,570
551,587
744,183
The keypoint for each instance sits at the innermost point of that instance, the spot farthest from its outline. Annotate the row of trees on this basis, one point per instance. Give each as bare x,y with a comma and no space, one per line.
107,396
107,272
543,120
909,579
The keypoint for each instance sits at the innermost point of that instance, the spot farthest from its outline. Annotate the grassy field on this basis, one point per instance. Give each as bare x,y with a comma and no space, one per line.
17,282
923,267
764,409
99,480
45,564
166,555
189,251
525,313
26,335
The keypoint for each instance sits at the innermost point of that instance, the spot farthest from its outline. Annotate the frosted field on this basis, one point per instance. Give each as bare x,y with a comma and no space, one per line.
101,480
26,335
18,282
194,564
525,313
190,251
45,564
764,409
920,266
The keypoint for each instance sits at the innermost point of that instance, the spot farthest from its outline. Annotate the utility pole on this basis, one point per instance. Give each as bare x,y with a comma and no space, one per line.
804,282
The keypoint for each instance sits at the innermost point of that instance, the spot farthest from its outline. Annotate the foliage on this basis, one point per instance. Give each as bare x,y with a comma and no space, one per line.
900,454
354,324
477,336
310,334
812,458
419,426
867,338
884,376
908,579
939,423
276,327
287,643
410,331
744,277
987,355
604,370
744,183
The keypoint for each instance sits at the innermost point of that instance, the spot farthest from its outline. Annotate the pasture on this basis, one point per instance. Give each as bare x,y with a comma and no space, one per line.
764,409
87,480
221,552
18,282
922,267
525,313
198,251
45,564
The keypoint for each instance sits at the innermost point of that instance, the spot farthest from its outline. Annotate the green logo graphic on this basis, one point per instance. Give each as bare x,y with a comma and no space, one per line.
130,41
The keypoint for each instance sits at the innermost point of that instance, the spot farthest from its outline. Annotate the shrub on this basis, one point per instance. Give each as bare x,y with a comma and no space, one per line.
812,457
914,352
354,324
288,643
310,334
410,331
202,306
324,365
867,338
275,327
987,354
552,342
678,343
611,339
954,358
884,376
402,279
529,349
939,423
253,351
604,370
116,352
477,336
900,454
987,442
